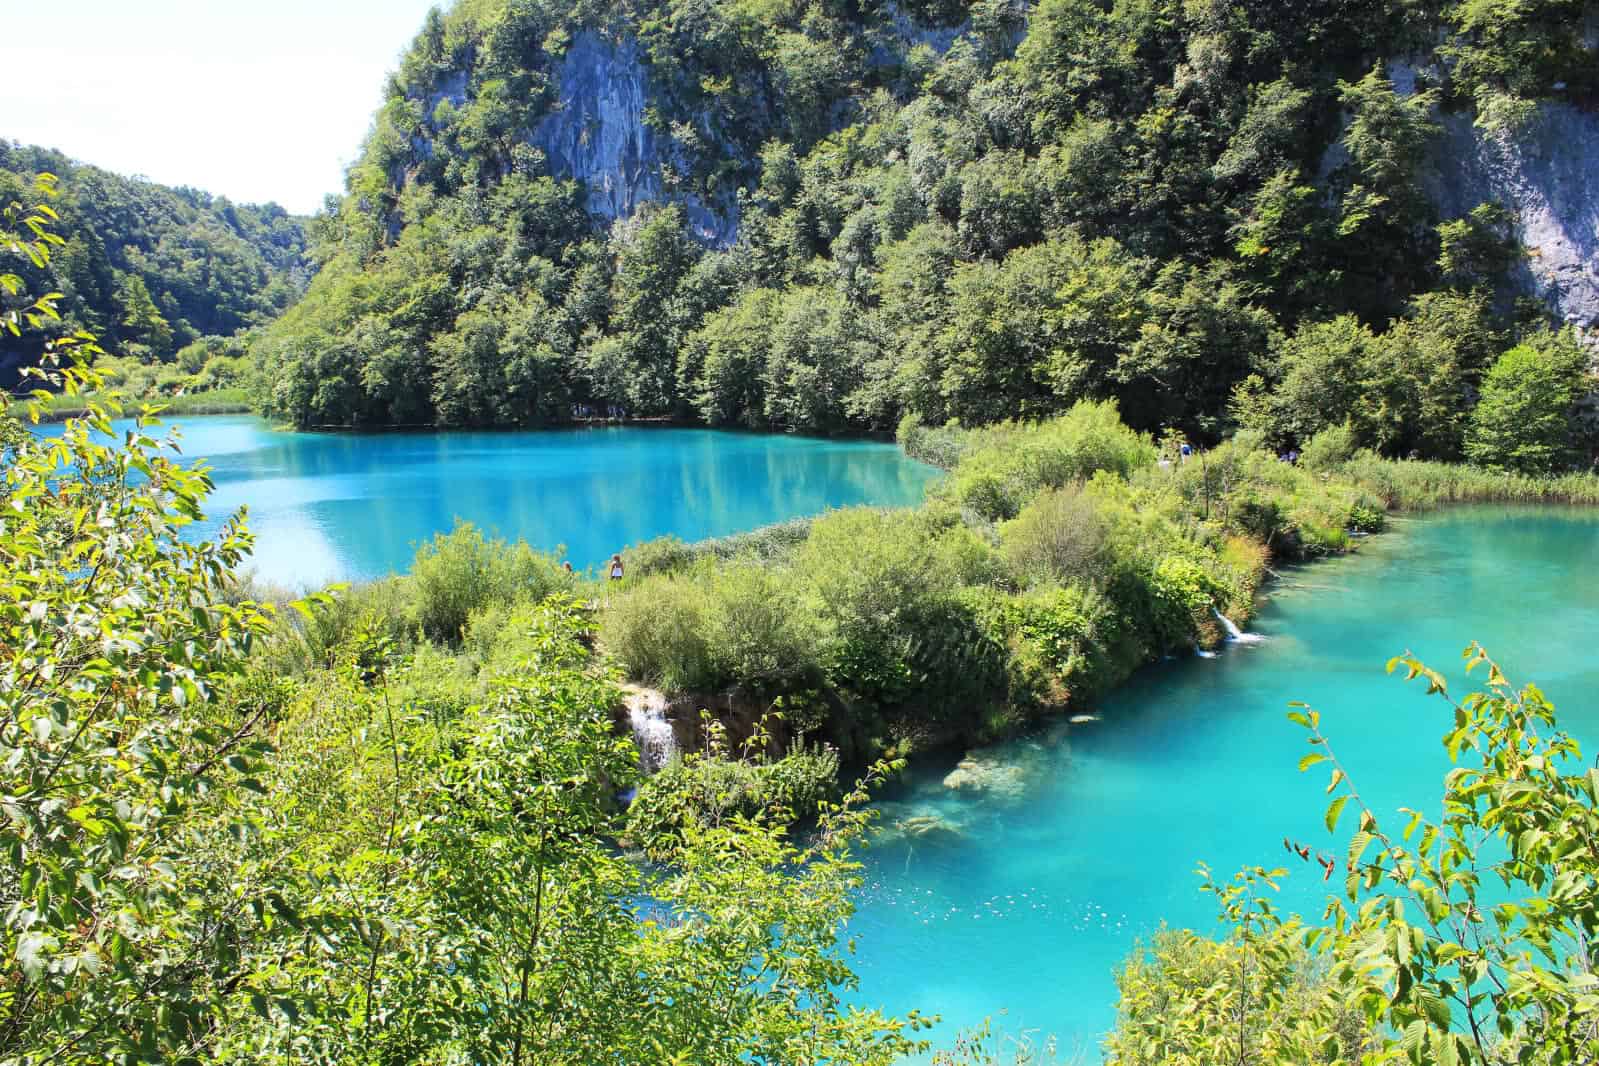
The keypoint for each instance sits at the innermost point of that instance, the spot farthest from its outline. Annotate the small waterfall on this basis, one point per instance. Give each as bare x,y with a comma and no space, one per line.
657,743
1234,634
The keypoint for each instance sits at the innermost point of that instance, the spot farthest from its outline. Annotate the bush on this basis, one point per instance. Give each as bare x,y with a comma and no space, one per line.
1010,466
663,555
460,572
1059,538
666,555
1061,642
712,789
302,643
1525,420
759,631
656,629
882,582
1330,448
943,447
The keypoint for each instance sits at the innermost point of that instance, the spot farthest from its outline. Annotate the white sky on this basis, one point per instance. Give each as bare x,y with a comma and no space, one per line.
255,101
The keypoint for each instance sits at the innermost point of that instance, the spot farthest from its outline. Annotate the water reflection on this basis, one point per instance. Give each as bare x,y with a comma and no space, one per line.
352,506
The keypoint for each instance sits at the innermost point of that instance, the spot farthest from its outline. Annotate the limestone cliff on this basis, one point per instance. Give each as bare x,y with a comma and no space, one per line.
596,133
1547,174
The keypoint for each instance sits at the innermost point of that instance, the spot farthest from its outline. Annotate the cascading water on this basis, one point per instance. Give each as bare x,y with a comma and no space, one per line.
657,743
1234,634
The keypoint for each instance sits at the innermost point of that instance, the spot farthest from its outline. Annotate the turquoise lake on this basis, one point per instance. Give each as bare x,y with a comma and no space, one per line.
352,506
1027,916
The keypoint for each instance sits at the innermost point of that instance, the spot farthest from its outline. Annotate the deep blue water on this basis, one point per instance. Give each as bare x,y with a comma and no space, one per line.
348,506
1027,917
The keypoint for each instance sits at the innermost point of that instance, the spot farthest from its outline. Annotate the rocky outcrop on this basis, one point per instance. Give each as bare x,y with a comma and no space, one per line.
1547,175
596,133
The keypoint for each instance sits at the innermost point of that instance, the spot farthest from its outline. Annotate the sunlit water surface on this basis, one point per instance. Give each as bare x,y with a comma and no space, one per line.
352,506
1026,914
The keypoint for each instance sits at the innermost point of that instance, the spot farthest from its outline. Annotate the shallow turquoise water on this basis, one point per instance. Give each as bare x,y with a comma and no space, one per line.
1027,918
349,506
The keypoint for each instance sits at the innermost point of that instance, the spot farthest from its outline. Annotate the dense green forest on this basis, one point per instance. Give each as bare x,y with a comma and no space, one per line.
1209,212
163,276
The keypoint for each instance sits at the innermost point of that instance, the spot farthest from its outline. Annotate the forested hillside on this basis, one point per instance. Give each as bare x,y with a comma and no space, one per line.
151,269
832,215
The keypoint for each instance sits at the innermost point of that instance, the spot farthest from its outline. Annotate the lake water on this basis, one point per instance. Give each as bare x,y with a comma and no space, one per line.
1026,918
352,506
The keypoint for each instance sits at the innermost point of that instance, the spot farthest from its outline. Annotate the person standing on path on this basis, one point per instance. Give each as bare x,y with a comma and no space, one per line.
616,567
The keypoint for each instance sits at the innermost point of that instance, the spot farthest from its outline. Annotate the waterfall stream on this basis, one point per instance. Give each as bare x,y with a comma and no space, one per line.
1234,634
657,743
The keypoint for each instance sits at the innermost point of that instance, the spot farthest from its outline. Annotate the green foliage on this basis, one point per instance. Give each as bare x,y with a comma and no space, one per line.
712,789
389,859
656,630
1012,464
460,572
1455,940
1526,420
1059,538
761,630
1508,55
1065,645
1330,448
131,735
1408,390
1421,485
1148,203
151,268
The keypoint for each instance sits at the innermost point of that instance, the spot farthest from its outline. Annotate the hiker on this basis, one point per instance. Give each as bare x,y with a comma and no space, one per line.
616,567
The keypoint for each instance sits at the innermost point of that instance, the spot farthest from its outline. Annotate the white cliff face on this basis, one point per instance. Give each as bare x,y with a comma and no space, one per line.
1547,174
597,134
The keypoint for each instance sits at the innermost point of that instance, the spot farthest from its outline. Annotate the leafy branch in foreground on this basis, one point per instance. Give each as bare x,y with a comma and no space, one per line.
1466,939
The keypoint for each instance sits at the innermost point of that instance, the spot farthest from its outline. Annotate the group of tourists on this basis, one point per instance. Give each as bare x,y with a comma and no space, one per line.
614,567
581,411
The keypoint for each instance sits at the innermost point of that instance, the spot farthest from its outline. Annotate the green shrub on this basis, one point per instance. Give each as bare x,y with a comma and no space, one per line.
1184,595
460,572
768,543
1008,467
711,789
1060,643
1526,420
760,631
941,446
302,643
881,581
1417,485
656,629
1059,538
1330,448
663,555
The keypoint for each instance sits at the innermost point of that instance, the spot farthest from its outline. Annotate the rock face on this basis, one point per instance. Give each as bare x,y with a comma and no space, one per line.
597,134
1547,174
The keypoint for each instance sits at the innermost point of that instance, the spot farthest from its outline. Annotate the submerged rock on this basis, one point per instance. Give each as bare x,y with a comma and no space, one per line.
929,827
993,774
929,821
